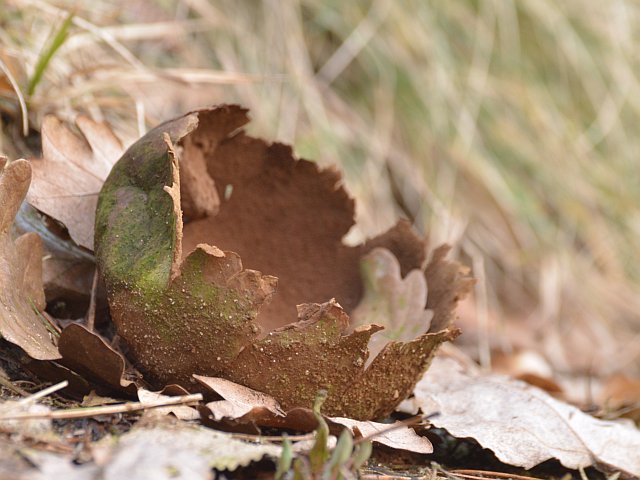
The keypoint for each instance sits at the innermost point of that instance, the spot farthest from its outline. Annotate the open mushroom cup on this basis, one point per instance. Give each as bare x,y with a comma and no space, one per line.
223,256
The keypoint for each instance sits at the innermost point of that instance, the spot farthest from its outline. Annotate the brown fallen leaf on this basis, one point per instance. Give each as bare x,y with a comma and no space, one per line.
87,353
68,177
182,412
238,400
67,270
621,396
528,366
246,406
208,314
95,400
21,294
54,372
521,424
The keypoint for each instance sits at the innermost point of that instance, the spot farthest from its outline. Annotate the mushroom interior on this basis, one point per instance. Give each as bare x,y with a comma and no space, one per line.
283,216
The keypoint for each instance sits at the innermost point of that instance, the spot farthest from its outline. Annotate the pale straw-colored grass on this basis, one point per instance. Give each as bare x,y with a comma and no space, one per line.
507,127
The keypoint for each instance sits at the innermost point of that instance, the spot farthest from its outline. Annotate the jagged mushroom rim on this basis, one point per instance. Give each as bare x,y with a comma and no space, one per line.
198,314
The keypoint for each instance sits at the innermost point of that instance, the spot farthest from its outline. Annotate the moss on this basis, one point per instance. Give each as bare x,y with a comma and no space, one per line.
135,219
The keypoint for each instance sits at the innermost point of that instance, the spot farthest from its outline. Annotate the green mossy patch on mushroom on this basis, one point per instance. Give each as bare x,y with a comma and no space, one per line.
135,233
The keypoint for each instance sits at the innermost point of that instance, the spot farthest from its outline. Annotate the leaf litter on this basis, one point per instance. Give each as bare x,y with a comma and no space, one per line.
163,451
65,186
21,293
247,406
232,196
68,177
86,353
522,424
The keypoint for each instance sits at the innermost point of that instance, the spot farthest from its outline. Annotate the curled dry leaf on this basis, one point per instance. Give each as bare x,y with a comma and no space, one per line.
88,354
246,406
182,412
390,300
521,424
68,177
238,400
67,270
88,362
205,313
393,435
21,294
55,372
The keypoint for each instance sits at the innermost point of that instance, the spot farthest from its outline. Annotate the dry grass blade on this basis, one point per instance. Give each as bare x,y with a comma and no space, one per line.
90,27
16,88
510,126
91,311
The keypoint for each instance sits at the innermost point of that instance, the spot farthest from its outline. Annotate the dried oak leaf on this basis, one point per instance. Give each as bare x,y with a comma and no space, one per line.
237,400
88,362
88,354
177,451
205,313
244,406
181,412
21,293
523,425
67,270
68,177
390,300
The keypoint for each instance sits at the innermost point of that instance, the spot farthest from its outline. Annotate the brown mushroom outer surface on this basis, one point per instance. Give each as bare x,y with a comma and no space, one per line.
212,312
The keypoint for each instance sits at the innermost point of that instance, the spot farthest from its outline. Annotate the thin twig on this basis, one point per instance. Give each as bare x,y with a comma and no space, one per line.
106,410
482,474
91,312
273,438
6,383
395,426
43,393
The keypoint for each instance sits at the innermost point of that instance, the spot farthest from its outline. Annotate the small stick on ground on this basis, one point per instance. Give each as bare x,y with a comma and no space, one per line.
91,312
273,438
106,410
409,422
43,393
482,475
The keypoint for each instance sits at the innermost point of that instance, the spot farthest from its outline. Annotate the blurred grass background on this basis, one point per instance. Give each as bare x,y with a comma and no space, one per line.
507,128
